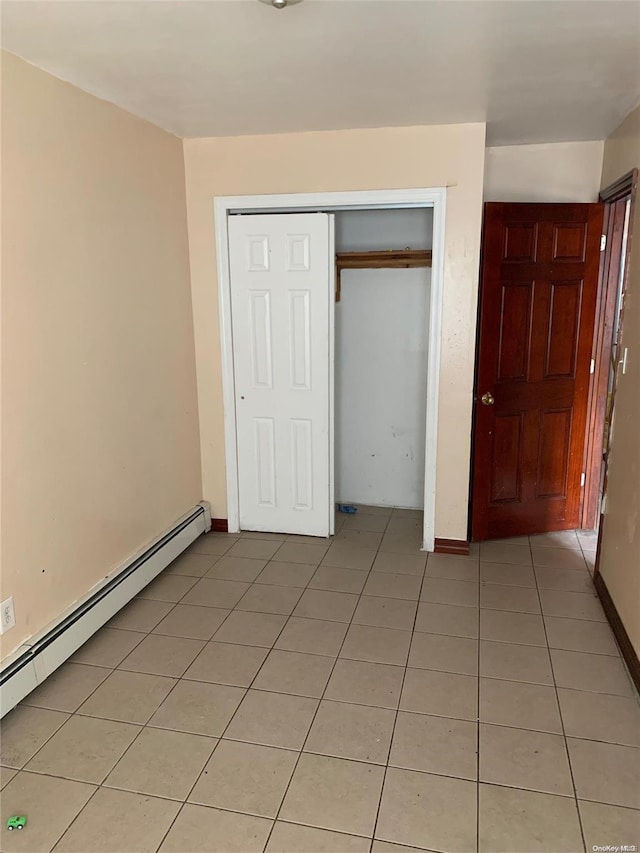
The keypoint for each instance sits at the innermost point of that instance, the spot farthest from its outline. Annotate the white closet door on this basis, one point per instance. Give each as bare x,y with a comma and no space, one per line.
280,301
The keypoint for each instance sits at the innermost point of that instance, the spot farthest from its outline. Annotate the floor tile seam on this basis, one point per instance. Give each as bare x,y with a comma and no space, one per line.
537,564
179,812
142,728
397,710
178,679
573,618
481,721
512,609
394,766
562,725
591,593
76,712
560,734
131,600
483,559
540,646
560,686
233,610
97,631
171,825
510,584
69,714
74,819
232,717
286,791
582,569
298,616
117,668
335,658
488,584
554,547
616,656
291,822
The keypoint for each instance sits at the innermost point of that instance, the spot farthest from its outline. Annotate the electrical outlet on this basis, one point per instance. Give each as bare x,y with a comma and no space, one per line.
7,615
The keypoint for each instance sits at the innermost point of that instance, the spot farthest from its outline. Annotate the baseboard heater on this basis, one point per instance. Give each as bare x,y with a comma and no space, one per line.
35,660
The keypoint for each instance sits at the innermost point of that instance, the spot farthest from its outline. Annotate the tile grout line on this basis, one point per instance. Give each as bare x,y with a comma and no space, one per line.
177,679
116,668
246,692
221,737
72,714
51,775
397,709
156,727
561,718
142,726
335,663
393,598
359,705
75,818
100,785
150,632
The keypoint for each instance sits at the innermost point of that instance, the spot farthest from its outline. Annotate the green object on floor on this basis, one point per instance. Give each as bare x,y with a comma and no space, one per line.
16,821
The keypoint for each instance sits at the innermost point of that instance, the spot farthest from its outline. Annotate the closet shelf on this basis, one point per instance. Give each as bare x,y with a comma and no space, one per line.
390,259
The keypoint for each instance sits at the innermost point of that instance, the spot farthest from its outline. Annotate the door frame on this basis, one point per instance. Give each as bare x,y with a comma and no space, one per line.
328,202
609,286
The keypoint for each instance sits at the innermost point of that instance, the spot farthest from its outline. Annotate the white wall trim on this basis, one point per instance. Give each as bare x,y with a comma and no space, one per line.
433,374
332,378
434,197
228,384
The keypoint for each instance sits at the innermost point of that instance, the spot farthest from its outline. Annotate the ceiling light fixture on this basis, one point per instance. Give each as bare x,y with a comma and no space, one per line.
281,4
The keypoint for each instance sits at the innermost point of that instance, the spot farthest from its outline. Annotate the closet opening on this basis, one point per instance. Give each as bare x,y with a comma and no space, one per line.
383,293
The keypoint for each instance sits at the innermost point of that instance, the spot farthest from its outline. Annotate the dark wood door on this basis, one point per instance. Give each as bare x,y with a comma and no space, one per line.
537,311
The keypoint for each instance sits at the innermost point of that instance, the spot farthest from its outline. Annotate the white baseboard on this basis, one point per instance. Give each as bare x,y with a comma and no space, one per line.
30,665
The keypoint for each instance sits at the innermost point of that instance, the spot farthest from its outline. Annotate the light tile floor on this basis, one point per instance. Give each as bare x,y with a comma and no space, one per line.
284,693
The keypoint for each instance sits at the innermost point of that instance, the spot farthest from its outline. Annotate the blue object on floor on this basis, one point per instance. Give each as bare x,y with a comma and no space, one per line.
348,508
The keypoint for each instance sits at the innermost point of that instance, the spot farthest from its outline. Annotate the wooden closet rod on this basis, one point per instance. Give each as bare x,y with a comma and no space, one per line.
390,259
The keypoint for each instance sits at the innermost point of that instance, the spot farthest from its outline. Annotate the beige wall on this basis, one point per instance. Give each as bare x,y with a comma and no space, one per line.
381,158
559,171
620,555
100,431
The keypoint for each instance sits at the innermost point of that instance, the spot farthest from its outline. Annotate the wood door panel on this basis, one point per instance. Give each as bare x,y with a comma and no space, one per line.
563,330
507,446
520,241
553,453
515,327
569,241
537,312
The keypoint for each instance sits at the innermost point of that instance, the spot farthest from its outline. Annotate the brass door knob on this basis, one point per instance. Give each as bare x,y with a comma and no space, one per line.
487,399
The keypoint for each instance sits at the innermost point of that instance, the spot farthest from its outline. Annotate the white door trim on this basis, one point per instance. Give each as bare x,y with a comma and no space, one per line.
434,197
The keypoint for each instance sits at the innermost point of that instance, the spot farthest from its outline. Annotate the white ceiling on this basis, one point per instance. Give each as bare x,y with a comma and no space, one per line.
535,70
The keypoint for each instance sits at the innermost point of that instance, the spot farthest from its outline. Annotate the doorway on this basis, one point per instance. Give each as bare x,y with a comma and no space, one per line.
537,314
619,202
381,356
329,203
609,359
531,475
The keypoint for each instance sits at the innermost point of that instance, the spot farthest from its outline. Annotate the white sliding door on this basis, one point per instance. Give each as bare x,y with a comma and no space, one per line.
280,302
